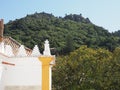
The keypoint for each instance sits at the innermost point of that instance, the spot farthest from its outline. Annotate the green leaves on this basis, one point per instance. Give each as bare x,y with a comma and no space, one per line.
86,69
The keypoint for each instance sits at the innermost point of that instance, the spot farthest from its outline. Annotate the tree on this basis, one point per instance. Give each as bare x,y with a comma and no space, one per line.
83,69
69,47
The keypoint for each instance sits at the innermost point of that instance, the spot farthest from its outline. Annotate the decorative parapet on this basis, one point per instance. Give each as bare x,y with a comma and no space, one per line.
15,45
35,51
21,51
8,50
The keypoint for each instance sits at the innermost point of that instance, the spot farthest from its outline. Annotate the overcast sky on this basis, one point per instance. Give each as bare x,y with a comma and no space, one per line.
105,13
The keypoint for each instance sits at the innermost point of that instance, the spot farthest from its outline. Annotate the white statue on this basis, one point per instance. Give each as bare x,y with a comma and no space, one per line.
47,49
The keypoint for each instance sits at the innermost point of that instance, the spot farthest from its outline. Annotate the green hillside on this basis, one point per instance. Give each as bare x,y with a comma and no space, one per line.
64,33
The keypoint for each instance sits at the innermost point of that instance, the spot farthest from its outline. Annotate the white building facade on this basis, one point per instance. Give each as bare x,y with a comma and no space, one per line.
24,69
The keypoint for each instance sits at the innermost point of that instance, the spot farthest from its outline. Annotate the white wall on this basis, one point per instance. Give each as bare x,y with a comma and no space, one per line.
26,72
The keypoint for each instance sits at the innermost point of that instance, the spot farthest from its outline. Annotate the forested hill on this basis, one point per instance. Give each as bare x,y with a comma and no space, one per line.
64,33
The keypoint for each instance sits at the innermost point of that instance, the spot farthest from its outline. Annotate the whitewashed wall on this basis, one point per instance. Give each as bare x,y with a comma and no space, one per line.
26,72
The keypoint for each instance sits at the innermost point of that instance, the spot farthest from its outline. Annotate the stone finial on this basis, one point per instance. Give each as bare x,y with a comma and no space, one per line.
35,51
1,29
46,51
21,51
8,50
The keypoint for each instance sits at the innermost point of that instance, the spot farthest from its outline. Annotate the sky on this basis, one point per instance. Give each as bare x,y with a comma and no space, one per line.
104,13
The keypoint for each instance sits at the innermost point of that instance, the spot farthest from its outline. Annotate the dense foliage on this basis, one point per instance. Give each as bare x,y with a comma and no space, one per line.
88,69
34,29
